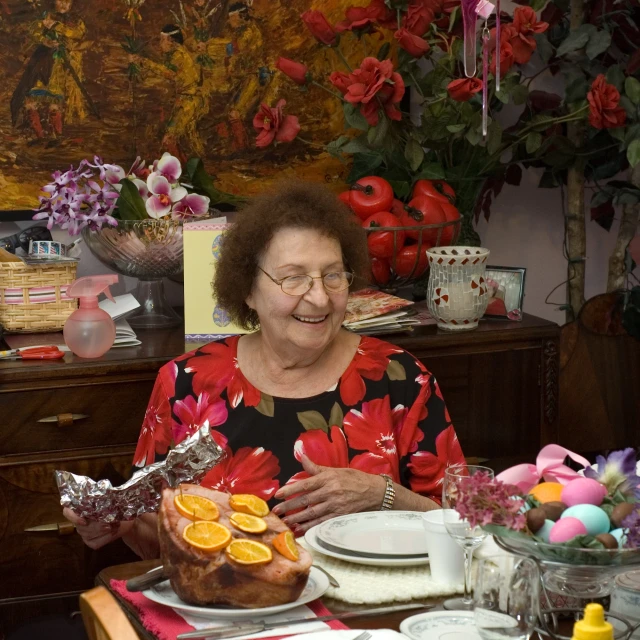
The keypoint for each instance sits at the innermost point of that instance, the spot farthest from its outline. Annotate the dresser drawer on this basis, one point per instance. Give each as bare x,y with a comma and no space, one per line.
33,564
114,414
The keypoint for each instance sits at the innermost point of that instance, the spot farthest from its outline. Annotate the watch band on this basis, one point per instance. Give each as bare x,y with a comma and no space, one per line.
389,494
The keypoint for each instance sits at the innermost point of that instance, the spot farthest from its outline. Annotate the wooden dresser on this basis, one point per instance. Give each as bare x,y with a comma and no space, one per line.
500,383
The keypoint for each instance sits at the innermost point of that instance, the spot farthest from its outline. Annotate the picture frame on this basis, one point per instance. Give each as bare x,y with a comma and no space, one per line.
506,289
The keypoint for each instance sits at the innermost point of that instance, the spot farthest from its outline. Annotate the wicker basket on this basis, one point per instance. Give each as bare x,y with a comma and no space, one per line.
32,299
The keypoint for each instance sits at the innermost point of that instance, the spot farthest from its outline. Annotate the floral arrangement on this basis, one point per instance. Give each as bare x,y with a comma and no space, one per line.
417,46
597,510
96,194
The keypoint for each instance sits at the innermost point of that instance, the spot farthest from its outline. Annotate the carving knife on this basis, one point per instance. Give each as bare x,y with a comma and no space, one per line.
242,629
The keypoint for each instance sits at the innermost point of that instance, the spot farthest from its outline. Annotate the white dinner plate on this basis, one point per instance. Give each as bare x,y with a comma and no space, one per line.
312,541
375,533
441,625
163,593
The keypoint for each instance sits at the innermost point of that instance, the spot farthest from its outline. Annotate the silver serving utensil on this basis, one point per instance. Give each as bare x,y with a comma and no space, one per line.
246,628
332,581
146,580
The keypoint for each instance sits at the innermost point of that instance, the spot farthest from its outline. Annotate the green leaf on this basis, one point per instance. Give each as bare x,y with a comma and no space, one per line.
383,51
633,153
377,134
453,17
598,43
363,165
456,128
414,154
632,133
544,48
203,184
356,145
130,203
266,405
494,137
473,137
575,40
541,122
534,141
537,5
519,93
431,171
336,417
401,188
312,420
576,90
335,147
615,76
396,371
354,118
618,133
628,106
632,89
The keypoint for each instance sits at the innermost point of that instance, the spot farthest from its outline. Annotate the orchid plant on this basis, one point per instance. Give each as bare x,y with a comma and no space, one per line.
95,194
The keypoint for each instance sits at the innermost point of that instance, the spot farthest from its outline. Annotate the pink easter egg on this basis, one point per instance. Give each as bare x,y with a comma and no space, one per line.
565,529
583,491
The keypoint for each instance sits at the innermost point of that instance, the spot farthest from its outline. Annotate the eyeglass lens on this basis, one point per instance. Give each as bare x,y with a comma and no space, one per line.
334,282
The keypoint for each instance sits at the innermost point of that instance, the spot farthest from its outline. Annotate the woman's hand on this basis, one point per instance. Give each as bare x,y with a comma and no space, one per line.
326,494
96,534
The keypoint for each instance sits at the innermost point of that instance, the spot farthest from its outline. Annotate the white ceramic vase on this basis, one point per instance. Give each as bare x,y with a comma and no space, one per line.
457,292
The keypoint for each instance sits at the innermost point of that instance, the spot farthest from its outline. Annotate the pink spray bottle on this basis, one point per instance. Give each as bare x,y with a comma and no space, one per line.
89,332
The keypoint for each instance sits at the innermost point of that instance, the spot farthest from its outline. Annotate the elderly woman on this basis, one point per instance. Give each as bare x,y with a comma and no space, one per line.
317,418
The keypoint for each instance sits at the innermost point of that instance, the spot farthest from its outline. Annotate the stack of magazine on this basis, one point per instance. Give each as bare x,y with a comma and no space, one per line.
372,312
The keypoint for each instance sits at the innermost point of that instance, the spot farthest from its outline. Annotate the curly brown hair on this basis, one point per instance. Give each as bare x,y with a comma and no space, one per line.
305,205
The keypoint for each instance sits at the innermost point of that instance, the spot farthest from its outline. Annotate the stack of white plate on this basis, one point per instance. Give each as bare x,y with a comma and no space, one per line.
377,538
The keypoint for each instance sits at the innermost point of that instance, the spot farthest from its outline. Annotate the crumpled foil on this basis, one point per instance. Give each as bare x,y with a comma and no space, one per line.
100,501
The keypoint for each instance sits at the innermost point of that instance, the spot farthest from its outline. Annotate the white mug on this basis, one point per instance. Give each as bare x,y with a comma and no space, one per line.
446,557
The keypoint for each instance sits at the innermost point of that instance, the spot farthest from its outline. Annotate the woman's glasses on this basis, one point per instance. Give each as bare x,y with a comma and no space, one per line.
22,238
299,285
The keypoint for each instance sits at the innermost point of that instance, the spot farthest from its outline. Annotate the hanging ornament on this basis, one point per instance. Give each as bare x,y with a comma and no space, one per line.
486,36
471,9
497,54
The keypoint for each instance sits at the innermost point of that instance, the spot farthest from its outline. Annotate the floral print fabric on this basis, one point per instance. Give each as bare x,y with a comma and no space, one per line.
386,415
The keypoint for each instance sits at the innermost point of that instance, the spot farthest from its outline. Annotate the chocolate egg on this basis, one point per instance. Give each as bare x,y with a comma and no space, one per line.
607,540
553,510
620,512
535,519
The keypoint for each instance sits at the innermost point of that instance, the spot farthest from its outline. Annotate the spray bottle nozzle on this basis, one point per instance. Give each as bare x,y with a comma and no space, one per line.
88,289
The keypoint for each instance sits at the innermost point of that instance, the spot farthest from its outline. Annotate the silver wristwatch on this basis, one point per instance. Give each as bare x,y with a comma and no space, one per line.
389,494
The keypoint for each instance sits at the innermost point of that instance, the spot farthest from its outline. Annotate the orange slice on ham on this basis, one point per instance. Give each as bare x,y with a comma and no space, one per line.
207,536
196,507
245,551
247,523
285,545
247,503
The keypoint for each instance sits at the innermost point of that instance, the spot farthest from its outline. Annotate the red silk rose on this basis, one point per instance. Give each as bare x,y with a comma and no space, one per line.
375,84
506,58
358,19
520,36
274,125
604,112
320,28
414,45
295,70
464,88
382,15
418,19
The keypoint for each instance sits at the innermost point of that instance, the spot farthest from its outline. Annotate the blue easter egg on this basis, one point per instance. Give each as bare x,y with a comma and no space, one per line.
618,534
221,317
216,245
545,530
593,518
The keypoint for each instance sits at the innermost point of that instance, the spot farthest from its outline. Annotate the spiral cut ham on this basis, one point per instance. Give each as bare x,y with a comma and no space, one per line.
209,578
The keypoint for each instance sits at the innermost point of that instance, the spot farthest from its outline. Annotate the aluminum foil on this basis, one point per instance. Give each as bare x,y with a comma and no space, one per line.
99,500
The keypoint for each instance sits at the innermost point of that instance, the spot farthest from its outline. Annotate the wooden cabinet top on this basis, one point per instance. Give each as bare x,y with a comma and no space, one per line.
160,346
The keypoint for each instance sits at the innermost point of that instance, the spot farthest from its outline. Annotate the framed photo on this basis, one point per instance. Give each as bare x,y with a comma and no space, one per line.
506,292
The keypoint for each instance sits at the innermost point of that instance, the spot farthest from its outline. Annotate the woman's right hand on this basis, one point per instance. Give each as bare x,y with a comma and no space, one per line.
96,534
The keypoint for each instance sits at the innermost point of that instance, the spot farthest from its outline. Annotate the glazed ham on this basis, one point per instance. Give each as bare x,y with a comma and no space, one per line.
204,578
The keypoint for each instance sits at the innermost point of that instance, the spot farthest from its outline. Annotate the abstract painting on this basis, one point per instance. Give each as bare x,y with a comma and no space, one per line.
122,78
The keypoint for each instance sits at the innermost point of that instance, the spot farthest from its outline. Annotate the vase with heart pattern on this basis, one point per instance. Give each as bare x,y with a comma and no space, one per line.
457,293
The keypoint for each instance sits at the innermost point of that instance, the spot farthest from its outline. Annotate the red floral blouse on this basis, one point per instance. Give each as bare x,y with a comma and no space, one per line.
386,414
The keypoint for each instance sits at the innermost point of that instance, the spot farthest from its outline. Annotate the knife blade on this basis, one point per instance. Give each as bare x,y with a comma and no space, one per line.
63,528
74,416
235,630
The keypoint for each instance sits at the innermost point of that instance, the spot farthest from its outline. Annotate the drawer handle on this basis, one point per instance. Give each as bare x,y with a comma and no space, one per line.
63,528
64,419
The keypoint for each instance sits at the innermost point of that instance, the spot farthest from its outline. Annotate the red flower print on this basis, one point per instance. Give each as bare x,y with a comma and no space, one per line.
427,469
320,28
155,436
272,124
192,414
218,370
332,451
371,361
405,425
248,471
372,429
447,417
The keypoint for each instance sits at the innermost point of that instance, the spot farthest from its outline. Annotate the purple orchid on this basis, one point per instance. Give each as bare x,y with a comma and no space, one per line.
631,525
617,472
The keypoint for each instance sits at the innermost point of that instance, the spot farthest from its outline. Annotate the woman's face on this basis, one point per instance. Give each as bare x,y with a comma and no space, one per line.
308,322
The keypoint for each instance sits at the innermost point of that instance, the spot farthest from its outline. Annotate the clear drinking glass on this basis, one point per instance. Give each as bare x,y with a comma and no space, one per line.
468,537
506,597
